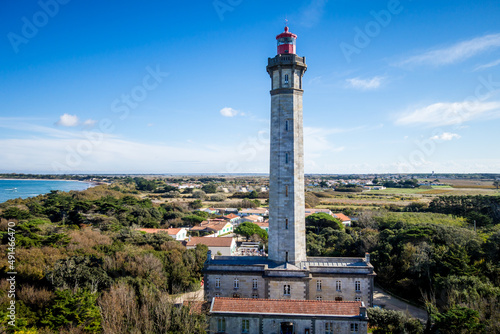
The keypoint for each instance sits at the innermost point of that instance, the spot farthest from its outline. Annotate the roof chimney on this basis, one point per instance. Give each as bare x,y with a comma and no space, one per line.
367,258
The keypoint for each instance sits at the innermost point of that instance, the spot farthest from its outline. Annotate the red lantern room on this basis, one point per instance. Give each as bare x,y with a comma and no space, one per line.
286,42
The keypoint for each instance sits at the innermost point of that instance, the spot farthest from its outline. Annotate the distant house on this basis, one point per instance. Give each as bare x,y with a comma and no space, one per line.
176,233
256,212
215,226
232,218
227,211
343,218
210,210
263,225
309,212
226,246
252,219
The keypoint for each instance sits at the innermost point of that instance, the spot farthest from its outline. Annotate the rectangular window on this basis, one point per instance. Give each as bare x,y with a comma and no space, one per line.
357,286
254,284
286,78
319,298
286,158
286,256
358,299
286,223
245,326
328,327
286,290
354,328
217,295
255,296
286,126
318,285
338,285
217,282
236,283
286,191
221,325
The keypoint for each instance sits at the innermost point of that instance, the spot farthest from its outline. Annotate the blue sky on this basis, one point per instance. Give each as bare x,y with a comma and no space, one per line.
181,87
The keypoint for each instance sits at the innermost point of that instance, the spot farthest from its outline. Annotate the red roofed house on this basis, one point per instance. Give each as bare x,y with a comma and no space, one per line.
216,226
224,245
256,316
263,225
176,233
343,218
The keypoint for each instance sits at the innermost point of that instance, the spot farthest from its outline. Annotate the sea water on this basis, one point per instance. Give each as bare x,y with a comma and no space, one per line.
10,189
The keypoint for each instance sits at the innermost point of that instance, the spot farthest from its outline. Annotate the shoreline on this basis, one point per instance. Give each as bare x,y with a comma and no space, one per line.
11,179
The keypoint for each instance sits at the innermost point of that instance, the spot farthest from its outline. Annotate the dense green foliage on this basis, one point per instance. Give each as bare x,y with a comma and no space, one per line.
433,258
78,256
393,322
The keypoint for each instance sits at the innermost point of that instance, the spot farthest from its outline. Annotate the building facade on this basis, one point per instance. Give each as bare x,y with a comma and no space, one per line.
255,316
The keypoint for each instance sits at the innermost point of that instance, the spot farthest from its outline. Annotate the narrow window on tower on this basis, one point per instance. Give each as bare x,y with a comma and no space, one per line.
286,158
286,256
286,223
286,79
286,126
286,191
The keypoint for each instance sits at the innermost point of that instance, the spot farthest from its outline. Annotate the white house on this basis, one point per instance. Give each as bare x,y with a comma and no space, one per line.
252,219
224,246
256,212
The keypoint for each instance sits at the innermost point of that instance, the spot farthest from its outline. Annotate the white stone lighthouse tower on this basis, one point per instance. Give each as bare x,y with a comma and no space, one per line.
287,237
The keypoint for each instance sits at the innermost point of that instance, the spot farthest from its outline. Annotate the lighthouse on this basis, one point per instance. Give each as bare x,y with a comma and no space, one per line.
287,237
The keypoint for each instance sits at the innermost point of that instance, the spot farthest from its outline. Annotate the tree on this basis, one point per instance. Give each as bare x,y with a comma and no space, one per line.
199,194
79,272
193,219
458,319
322,220
496,184
248,230
78,310
209,188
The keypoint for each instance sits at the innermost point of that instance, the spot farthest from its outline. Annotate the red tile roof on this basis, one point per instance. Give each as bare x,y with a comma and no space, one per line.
232,216
275,306
170,231
342,217
210,242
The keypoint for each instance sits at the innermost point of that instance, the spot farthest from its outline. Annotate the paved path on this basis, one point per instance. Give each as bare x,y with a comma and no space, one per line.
190,296
385,300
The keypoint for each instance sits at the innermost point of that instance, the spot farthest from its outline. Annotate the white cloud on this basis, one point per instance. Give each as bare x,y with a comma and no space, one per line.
68,120
455,53
90,122
365,84
230,112
445,113
446,136
316,140
485,66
